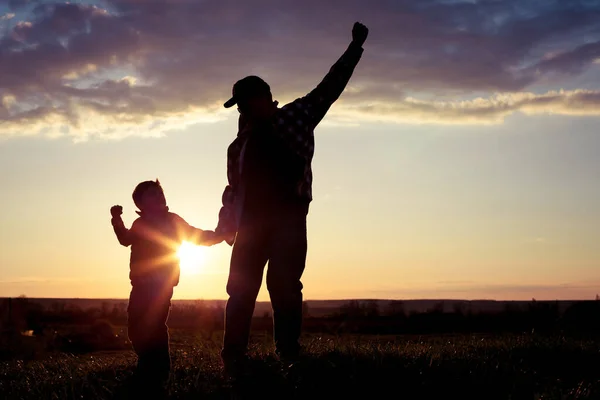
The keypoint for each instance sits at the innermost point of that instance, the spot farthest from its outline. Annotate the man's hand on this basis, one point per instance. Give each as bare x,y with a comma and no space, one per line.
359,33
116,211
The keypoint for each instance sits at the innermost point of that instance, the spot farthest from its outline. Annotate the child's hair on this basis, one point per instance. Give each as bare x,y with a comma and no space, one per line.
141,188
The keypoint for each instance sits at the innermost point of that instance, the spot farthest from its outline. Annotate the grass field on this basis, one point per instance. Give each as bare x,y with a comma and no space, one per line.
352,367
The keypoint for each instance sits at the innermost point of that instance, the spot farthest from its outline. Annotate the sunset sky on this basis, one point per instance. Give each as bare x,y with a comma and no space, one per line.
462,161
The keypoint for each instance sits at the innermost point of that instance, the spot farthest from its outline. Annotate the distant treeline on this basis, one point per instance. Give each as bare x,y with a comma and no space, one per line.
28,330
581,318
364,317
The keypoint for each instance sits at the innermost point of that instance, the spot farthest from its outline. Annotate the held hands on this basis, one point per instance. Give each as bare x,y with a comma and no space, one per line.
116,211
210,238
359,33
229,239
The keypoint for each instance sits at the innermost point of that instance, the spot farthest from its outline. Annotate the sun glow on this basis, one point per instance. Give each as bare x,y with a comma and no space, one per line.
191,258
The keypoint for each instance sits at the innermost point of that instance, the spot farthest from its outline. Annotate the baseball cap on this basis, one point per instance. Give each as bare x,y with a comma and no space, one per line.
247,88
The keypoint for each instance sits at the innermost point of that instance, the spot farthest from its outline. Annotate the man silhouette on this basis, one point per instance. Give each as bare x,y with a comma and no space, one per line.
266,203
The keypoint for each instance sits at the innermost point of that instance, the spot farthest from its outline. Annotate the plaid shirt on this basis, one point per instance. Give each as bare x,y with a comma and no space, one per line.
294,123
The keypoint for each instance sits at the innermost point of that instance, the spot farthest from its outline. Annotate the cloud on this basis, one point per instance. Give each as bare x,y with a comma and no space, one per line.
492,110
113,68
18,4
536,240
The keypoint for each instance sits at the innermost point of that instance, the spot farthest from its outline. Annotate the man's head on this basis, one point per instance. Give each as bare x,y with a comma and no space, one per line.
149,197
253,98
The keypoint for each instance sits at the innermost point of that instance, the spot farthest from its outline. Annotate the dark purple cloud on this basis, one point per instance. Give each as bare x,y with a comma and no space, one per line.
18,4
94,68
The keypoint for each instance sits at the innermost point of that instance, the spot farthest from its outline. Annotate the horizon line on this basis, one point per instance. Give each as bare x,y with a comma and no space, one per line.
343,299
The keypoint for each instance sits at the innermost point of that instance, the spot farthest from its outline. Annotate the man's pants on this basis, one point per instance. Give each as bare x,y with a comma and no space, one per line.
280,239
148,311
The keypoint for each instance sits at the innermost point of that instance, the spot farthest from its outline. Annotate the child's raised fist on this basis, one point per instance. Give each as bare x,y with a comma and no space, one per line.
116,211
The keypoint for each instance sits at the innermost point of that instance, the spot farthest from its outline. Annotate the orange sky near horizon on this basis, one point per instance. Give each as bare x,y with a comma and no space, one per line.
444,231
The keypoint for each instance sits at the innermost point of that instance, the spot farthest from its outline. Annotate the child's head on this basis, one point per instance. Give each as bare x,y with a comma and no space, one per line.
149,196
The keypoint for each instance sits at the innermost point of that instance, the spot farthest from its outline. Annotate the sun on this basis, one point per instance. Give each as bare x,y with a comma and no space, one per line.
191,258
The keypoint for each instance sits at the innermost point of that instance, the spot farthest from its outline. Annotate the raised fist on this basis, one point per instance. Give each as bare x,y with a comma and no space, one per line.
116,211
359,33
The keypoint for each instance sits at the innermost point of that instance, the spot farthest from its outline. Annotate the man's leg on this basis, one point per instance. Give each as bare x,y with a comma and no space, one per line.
248,259
286,265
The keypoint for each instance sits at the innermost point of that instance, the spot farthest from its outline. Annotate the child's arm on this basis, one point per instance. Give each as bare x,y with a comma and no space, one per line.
197,236
123,234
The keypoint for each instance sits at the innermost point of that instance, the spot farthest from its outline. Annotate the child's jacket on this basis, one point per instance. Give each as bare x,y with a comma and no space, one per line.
154,241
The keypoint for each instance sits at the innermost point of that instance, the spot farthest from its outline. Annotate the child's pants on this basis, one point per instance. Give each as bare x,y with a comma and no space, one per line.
148,311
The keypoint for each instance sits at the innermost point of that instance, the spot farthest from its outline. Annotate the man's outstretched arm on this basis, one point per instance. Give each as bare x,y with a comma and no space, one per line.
319,100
